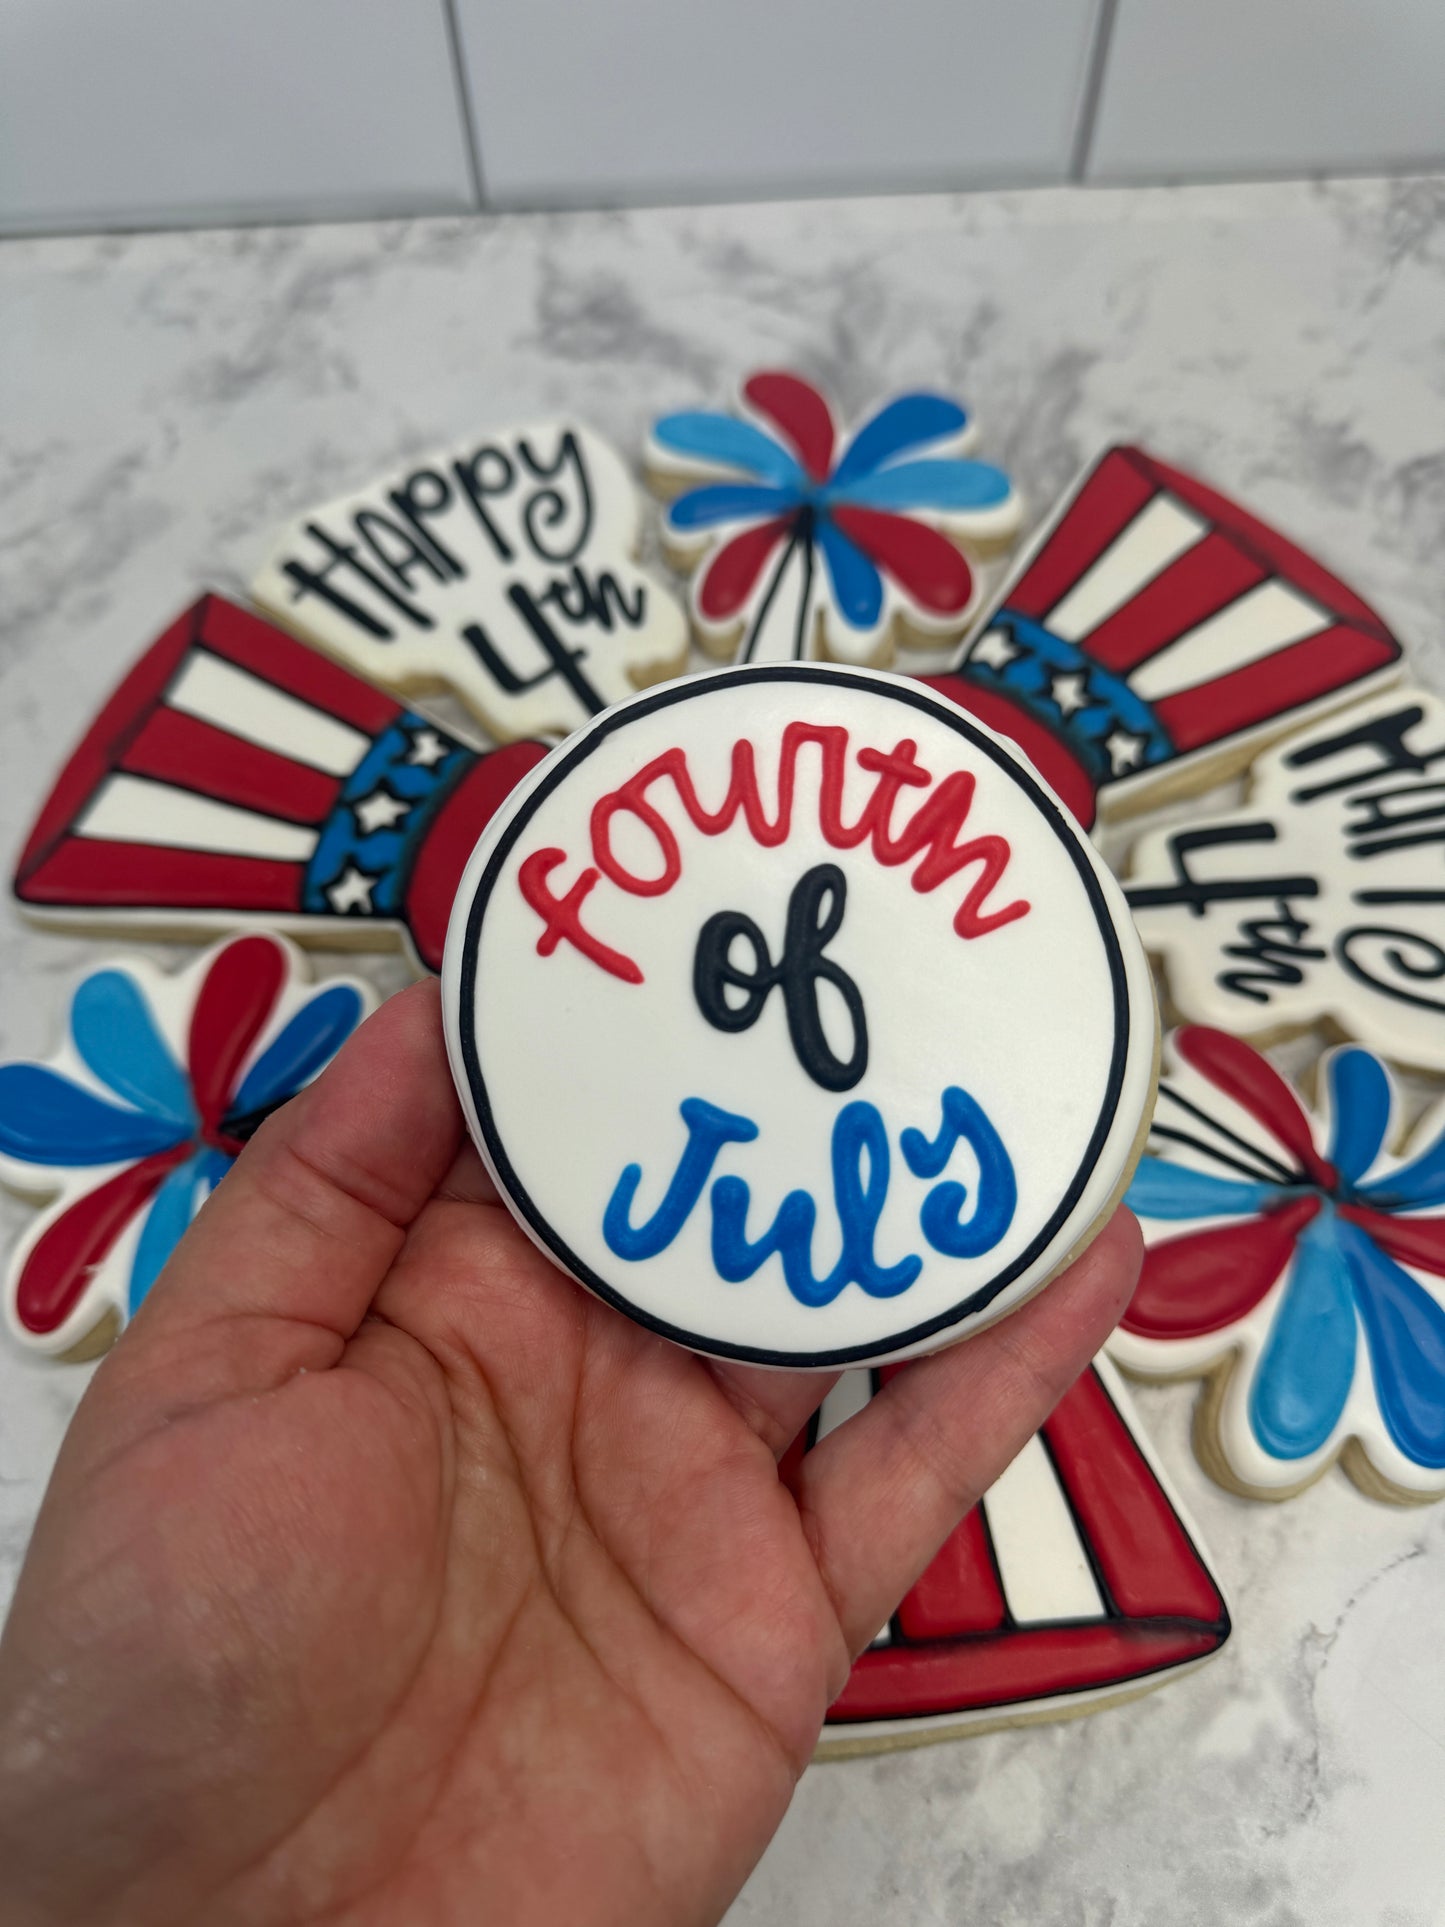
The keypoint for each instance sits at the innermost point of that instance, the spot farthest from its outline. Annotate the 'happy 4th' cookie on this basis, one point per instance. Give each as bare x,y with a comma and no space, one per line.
802,543
793,1016
1296,1260
135,1121
1156,634
1324,897
499,569
237,777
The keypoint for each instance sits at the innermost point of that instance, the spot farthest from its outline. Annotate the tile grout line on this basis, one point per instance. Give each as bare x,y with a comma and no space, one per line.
464,103
1093,88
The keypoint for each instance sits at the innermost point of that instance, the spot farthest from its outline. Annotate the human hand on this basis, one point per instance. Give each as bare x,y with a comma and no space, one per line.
386,1576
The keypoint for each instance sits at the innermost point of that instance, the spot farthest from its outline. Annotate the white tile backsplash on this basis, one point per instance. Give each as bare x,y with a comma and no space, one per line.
145,112
138,113
586,101
1239,87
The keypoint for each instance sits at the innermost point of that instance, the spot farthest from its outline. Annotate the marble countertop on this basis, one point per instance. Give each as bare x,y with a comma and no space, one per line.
168,400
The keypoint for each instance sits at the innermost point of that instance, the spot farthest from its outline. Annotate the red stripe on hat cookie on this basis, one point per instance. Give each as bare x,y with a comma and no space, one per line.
1256,692
1203,581
1109,500
270,653
1144,1556
1082,1583
1030,1665
141,876
170,745
960,1591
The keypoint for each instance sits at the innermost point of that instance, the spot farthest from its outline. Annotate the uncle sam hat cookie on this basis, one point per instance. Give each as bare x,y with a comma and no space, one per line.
1156,635
795,1017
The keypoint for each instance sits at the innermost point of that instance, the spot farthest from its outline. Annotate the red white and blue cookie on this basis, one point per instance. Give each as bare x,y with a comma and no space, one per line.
139,1115
1077,1581
238,778
1156,635
1296,1258
794,1016
805,542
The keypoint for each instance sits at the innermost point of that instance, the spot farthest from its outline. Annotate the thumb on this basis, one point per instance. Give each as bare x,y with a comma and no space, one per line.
284,1259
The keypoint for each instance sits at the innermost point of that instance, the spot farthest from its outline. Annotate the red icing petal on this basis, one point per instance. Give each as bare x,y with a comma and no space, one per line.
801,414
64,1257
933,571
237,997
1205,1280
1413,1241
1253,1082
731,575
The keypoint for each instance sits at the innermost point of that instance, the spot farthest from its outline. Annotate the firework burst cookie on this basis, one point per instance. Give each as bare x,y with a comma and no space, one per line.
141,1113
1296,1260
804,542
795,1017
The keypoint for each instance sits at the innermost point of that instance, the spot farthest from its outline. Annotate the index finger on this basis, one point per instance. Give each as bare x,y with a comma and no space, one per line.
306,1225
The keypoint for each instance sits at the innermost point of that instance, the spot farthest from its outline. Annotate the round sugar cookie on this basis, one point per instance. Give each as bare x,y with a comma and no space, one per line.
793,1016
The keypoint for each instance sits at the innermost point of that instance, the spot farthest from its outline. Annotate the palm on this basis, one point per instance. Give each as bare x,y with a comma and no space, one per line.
484,1599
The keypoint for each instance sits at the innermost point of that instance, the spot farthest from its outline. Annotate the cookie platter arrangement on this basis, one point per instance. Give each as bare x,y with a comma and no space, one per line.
791,1001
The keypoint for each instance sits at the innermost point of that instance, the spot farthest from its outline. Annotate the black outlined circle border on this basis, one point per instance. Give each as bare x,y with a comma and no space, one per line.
569,757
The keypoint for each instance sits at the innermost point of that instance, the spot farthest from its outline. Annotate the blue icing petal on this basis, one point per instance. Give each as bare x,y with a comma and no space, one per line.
311,1039
172,1209
1419,1182
701,508
907,422
45,1119
1163,1190
116,1035
1308,1363
731,444
1406,1331
857,585
211,1167
941,485
1359,1111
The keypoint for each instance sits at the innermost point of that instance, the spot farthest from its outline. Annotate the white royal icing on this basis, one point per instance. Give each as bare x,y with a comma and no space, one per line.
1323,897
908,1012
499,569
